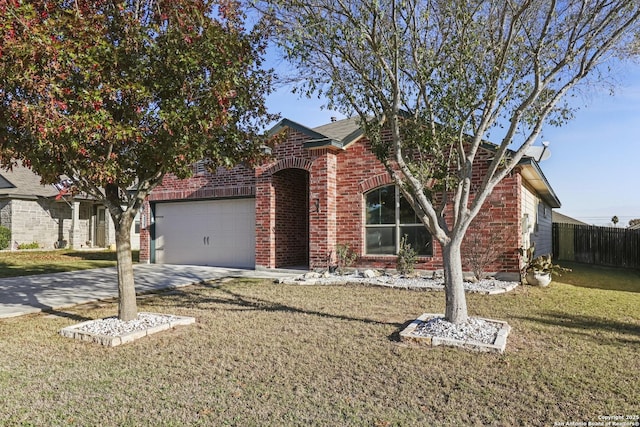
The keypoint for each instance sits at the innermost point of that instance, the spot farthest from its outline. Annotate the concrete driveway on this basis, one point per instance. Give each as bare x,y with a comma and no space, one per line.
32,294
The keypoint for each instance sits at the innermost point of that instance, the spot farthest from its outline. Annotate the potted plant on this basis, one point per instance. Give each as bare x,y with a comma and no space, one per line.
537,271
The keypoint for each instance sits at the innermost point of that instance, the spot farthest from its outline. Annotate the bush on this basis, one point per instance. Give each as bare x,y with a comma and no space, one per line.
346,257
480,252
32,245
407,258
5,237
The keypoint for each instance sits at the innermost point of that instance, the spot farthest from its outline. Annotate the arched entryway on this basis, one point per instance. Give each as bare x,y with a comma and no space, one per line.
291,187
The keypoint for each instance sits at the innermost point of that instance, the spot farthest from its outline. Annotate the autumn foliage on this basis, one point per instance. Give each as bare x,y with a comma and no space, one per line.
115,94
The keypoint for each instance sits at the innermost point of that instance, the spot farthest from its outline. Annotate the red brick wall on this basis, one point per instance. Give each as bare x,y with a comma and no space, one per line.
359,171
324,216
239,181
337,181
497,228
273,250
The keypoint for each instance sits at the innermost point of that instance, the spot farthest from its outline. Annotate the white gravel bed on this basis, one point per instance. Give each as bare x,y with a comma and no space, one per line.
473,329
487,286
114,327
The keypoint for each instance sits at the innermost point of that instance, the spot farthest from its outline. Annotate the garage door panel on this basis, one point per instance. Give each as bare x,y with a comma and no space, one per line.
217,232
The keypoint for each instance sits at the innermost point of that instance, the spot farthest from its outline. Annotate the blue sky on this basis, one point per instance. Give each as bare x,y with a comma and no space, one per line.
594,166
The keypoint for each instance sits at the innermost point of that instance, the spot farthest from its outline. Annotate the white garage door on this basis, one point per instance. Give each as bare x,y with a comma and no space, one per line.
218,232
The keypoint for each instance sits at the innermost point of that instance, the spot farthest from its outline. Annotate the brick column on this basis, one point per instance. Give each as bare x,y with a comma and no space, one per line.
145,236
323,207
265,220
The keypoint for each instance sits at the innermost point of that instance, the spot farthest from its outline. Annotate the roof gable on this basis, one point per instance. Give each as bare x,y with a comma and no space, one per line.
337,134
346,131
340,133
21,181
4,183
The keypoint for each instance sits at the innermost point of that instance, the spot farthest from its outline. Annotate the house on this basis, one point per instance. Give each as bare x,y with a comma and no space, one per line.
37,213
559,218
324,187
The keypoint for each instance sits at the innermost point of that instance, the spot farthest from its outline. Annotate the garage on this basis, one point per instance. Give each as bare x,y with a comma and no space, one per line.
212,232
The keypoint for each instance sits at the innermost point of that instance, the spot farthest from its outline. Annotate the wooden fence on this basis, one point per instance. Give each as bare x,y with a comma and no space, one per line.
616,247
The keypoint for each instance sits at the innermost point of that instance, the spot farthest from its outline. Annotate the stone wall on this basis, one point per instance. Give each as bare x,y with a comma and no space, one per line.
5,213
46,222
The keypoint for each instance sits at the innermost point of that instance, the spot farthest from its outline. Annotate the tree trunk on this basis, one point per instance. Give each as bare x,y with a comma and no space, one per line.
127,307
456,308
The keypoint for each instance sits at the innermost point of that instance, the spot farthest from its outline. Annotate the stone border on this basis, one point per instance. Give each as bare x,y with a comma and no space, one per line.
496,291
114,340
498,345
418,283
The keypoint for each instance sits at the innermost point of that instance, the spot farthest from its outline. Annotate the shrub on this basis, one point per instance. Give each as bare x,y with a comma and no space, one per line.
346,257
407,258
5,237
32,245
480,252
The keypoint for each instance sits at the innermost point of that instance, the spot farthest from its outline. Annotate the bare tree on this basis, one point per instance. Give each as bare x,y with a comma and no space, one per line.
433,80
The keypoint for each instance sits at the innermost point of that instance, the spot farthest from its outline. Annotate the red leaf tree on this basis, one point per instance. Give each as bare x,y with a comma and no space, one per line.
116,94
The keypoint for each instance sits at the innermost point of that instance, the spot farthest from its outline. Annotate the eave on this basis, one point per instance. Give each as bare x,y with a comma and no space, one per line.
532,174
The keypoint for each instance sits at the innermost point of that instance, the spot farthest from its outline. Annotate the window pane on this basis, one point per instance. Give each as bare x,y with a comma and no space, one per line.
419,239
381,207
388,202
381,240
407,214
373,207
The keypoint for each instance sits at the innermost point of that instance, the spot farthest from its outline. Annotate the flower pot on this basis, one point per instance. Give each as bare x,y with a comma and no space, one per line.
538,278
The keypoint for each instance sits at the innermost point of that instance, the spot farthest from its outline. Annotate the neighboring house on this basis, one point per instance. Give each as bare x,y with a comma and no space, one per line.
325,187
34,213
559,218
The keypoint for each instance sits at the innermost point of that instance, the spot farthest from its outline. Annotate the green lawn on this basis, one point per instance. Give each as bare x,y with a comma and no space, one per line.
590,276
268,354
25,263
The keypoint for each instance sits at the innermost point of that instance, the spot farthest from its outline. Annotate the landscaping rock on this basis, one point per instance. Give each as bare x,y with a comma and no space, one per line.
112,332
370,274
476,333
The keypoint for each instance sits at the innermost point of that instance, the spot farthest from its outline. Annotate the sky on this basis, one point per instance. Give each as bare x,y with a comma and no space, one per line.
594,167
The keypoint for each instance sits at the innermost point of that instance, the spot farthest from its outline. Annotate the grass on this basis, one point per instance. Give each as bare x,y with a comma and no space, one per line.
25,263
269,354
599,277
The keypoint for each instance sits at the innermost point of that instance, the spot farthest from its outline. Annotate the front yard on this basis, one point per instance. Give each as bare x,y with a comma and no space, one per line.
269,354
25,263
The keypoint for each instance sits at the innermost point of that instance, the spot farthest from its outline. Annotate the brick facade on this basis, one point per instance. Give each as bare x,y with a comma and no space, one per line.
308,199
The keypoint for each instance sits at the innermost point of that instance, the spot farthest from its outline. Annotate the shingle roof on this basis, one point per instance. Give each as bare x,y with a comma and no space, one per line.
342,130
559,218
336,134
22,182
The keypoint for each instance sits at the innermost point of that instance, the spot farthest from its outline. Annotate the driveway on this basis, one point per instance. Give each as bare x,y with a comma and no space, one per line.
32,294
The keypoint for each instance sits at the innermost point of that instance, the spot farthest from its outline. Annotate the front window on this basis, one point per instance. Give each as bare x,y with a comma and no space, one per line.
389,217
